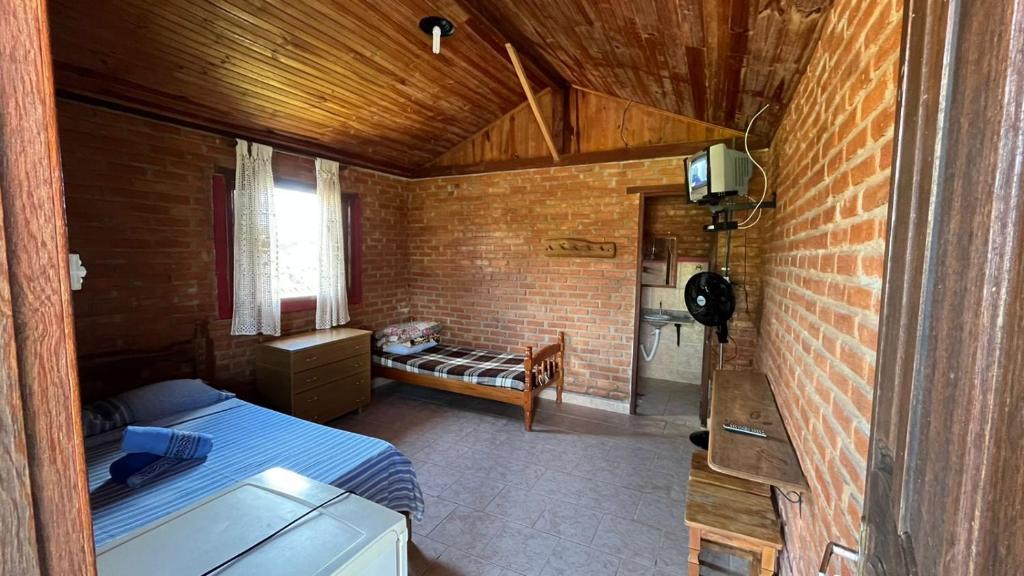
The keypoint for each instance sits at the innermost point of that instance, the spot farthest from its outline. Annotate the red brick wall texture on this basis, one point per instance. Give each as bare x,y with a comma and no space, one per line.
824,245
140,212
476,262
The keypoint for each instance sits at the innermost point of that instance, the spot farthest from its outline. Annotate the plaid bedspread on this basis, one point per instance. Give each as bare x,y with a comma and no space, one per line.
485,367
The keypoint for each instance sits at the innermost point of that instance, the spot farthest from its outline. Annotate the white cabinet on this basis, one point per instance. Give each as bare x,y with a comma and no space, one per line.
349,536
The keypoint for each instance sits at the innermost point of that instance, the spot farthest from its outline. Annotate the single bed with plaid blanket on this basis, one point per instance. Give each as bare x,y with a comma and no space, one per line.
485,367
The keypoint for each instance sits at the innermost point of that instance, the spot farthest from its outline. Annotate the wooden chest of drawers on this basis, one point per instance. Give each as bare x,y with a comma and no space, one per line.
316,376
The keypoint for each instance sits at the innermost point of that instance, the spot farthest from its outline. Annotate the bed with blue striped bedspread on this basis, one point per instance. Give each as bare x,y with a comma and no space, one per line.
248,439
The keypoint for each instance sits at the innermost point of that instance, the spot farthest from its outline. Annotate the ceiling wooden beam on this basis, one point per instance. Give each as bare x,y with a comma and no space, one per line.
578,159
544,132
478,20
209,123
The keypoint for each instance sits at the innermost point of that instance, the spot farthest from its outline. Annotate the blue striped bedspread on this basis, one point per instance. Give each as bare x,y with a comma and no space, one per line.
248,439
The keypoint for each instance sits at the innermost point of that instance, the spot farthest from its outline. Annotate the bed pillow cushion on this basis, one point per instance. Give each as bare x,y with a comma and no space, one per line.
105,415
408,334
162,399
405,350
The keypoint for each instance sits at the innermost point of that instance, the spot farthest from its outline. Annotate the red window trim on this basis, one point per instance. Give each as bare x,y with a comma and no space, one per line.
298,304
223,229
223,225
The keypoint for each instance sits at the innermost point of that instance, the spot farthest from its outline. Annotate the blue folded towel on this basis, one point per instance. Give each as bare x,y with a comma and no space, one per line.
140,468
180,444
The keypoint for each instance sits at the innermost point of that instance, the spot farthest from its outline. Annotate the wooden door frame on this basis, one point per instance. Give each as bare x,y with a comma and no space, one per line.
944,478
645,192
46,515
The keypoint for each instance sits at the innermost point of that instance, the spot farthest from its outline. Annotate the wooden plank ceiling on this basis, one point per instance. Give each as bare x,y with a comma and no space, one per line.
356,81
714,60
356,77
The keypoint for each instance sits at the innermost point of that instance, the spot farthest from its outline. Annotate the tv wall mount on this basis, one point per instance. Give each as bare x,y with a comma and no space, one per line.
721,214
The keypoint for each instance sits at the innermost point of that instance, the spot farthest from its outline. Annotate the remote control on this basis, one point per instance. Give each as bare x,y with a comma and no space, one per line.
741,429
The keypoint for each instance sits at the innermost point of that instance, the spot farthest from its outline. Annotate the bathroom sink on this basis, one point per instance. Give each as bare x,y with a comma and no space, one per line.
657,319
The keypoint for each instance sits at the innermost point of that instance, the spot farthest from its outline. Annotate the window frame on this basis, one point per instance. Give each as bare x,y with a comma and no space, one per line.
223,236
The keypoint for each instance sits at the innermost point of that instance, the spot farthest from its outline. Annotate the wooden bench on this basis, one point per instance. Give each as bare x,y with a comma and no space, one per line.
732,512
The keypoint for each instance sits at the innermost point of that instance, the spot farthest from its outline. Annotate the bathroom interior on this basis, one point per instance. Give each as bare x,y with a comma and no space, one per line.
670,343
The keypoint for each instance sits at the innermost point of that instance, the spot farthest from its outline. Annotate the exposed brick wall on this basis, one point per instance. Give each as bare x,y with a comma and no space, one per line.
477,265
745,264
139,206
823,265
676,216
739,255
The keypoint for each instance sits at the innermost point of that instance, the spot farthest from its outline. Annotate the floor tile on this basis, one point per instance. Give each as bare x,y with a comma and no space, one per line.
571,559
520,549
603,497
661,513
423,550
434,511
674,550
472,491
518,505
569,521
454,562
631,568
628,539
597,488
467,530
435,478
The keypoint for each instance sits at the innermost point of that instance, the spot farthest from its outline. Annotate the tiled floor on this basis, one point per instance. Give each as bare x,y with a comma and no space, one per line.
587,492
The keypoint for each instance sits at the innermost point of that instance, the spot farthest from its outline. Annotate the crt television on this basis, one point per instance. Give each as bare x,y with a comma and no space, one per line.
715,172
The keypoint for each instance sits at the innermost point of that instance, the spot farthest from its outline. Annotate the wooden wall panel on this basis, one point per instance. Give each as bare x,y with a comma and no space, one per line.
513,136
597,123
35,247
609,123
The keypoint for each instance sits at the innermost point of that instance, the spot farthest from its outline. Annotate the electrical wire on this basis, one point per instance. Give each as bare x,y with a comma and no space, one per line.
764,175
622,124
735,350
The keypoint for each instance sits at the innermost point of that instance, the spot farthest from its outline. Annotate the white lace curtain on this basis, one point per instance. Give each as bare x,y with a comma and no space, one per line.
257,306
332,297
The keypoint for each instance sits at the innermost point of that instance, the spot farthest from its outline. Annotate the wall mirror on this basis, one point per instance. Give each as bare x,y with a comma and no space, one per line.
659,261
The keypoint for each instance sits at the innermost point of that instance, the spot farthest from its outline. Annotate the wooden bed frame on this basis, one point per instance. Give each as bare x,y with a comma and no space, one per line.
104,375
547,365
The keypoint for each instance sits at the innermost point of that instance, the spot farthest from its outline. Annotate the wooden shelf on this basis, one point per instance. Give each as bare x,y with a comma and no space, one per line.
746,398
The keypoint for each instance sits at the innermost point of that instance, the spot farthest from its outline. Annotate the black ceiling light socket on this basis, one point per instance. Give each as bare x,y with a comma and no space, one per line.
447,28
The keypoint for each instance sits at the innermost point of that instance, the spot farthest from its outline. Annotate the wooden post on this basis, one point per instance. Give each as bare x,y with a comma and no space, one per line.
561,367
528,390
514,56
38,372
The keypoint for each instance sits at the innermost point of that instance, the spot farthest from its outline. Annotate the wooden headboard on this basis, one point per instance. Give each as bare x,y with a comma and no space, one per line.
103,375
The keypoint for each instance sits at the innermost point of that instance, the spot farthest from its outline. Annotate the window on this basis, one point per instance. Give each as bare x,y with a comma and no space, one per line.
298,242
298,245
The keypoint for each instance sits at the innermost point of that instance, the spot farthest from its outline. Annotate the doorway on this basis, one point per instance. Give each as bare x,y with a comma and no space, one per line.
669,345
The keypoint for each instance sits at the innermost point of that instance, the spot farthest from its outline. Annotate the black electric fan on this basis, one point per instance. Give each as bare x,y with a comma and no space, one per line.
710,300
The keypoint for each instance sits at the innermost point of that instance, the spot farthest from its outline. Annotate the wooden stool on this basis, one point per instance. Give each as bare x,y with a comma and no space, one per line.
733,512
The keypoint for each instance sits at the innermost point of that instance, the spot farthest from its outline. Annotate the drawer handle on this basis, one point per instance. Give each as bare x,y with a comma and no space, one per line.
312,399
310,358
312,379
